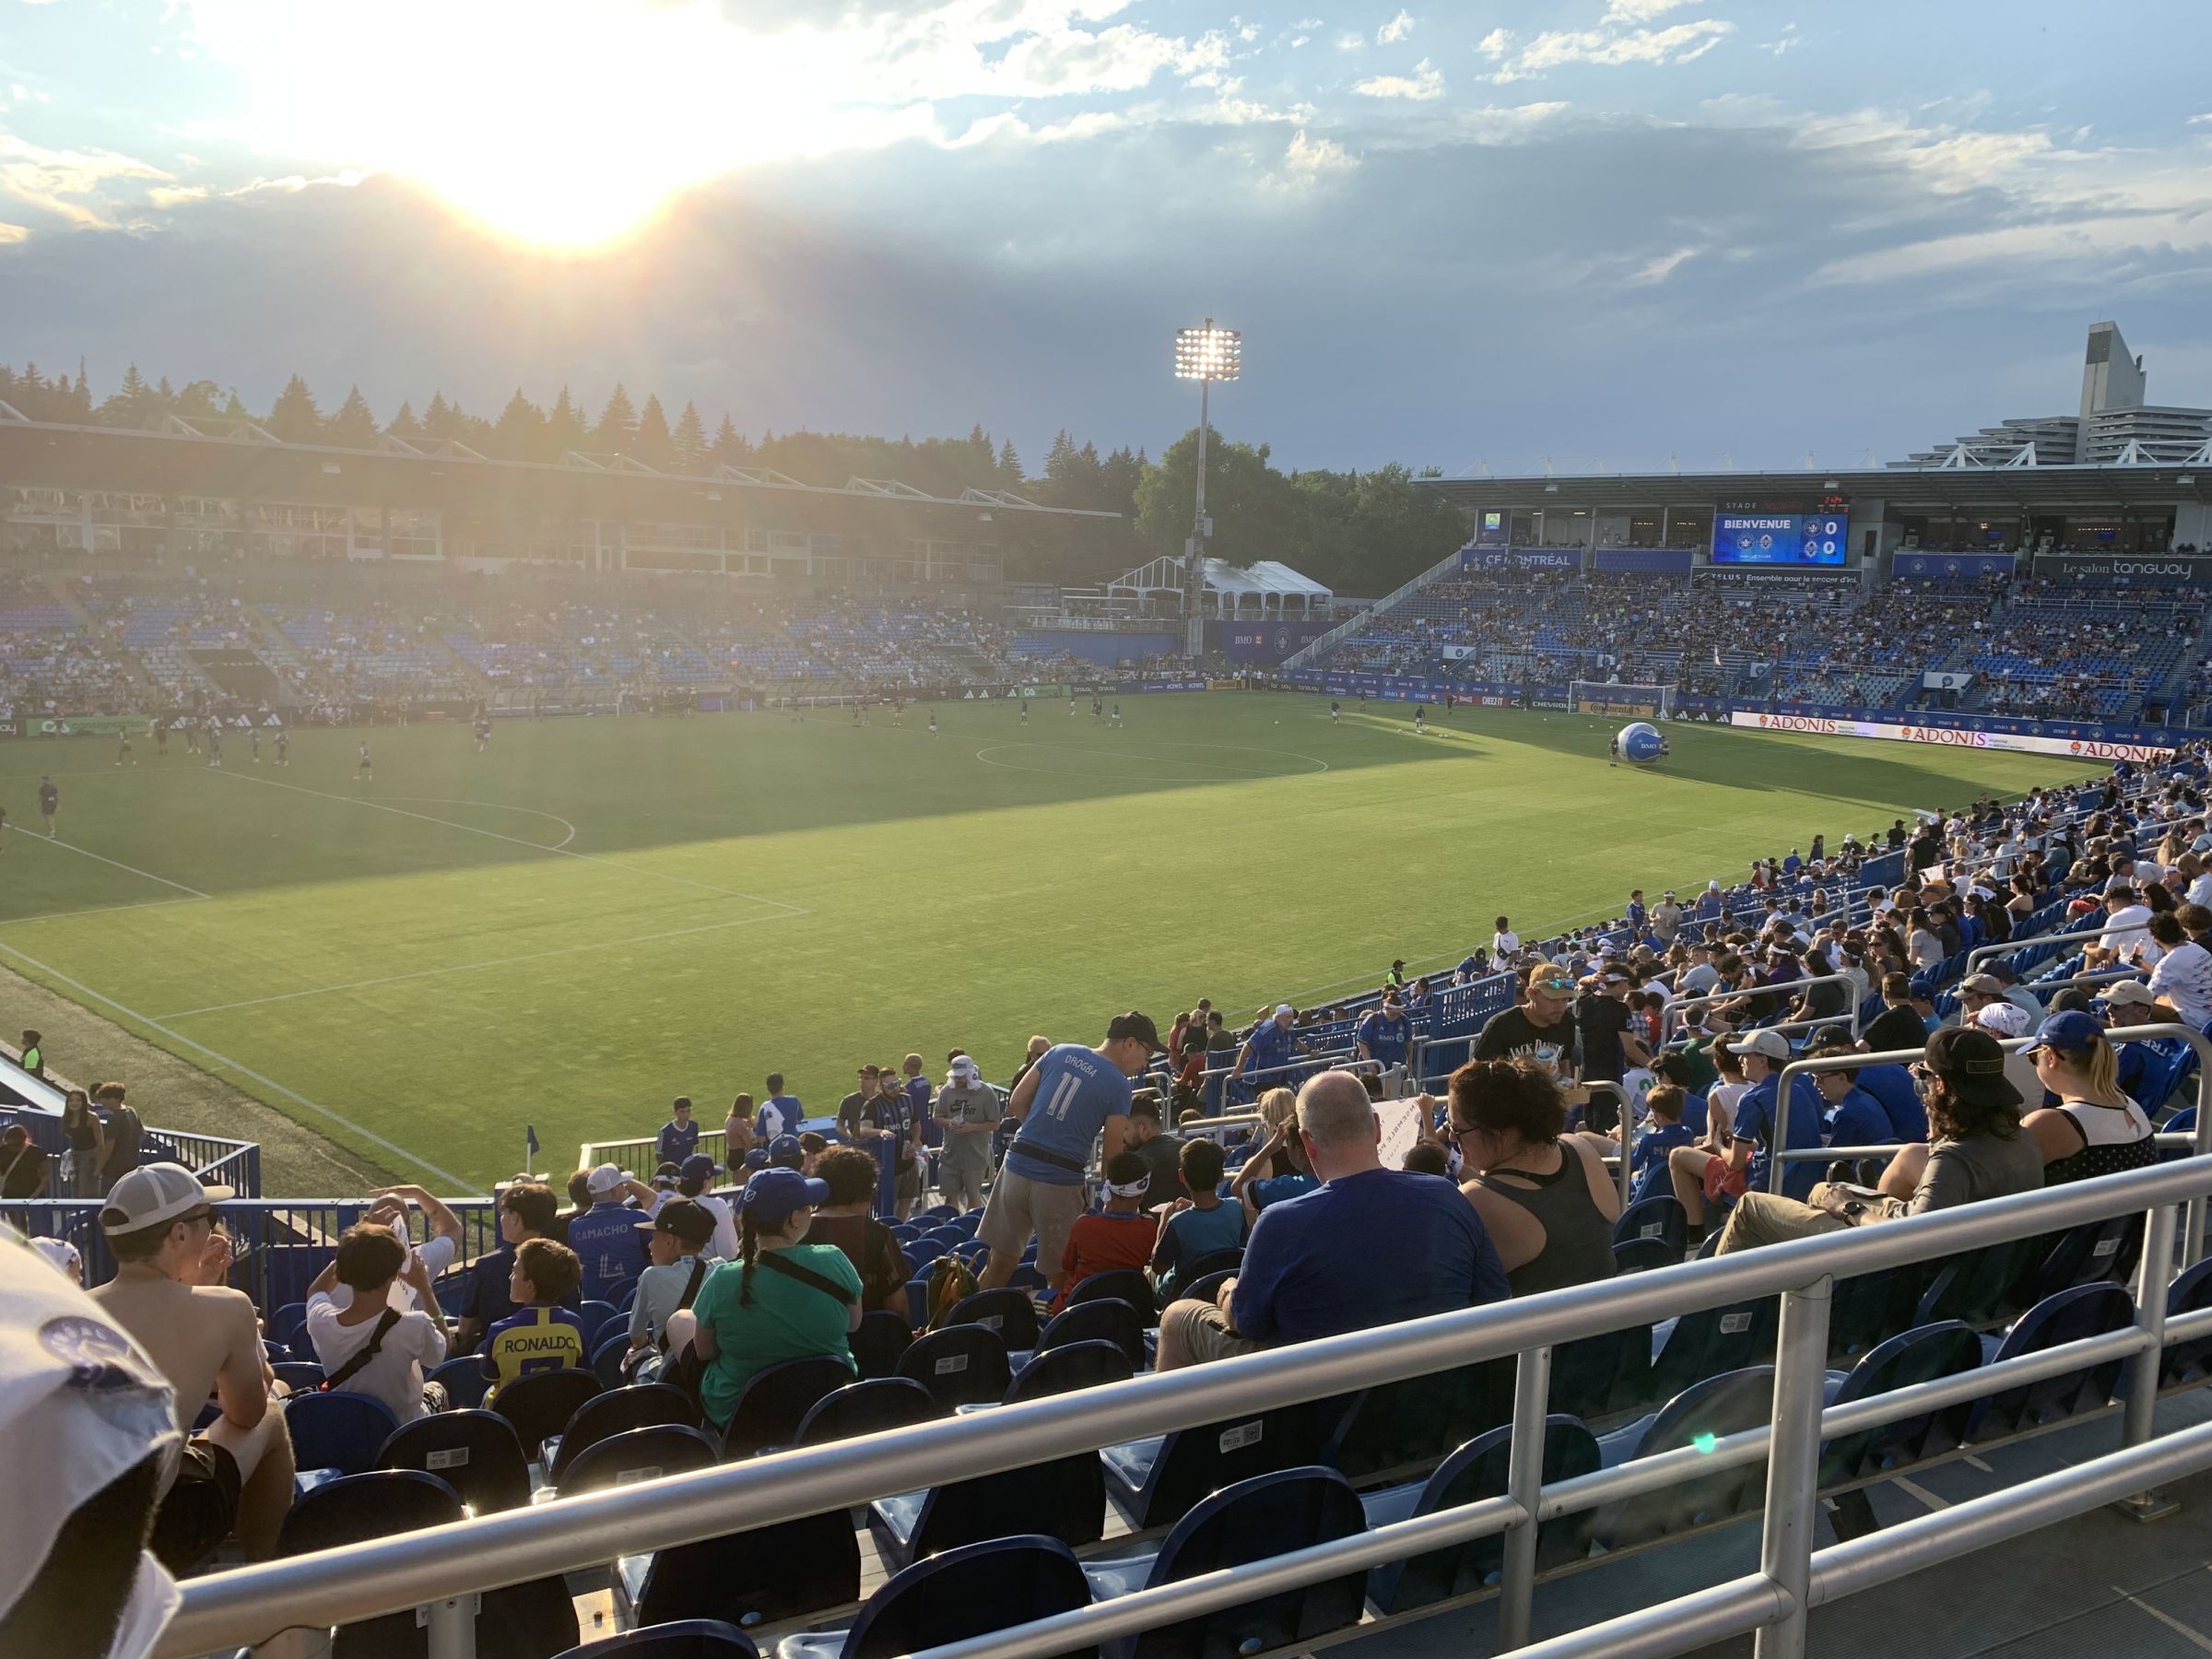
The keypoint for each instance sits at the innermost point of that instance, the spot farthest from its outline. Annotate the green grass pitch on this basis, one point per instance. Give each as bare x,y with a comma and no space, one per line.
598,915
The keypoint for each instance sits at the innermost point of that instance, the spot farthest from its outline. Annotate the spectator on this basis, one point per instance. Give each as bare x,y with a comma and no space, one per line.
1851,1116
1192,1229
1897,1027
1702,1178
1540,1028
527,1210
737,1130
918,1093
2180,984
544,1333
1040,1046
1544,1195
676,1239
2124,930
579,1200
168,1293
811,1148
439,1249
678,1137
2094,1129
2002,1020
369,1346
1118,1235
1610,1043
1162,1152
88,1145
23,1170
33,1054
1385,1034
1647,1165
875,1117
784,1299
780,1113
696,1174
1978,1152
1265,1057
603,1238
123,1133
1505,944
1426,1158
967,1110
83,1466
1369,1247
1069,1099
846,1218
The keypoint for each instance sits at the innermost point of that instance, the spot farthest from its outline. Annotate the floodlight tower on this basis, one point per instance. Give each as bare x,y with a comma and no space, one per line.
1205,353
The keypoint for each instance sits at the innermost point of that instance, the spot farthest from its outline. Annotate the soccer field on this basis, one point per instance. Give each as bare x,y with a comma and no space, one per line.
598,915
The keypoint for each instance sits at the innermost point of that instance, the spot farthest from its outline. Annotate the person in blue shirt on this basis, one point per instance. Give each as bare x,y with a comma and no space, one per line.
1764,1053
1072,1098
1792,864
678,1137
1709,903
1647,1165
605,1237
782,1113
1194,1227
1385,1034
1854,1118
1265,1057
1637,916
1891,1087
1369,1247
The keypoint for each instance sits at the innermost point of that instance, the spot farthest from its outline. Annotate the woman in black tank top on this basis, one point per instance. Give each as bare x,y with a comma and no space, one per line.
1543,1195
2095,1129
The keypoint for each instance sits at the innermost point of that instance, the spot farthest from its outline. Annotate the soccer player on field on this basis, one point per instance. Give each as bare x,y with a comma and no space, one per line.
255,735
1336,712
1117,714
50,803
1416,718
933,723
123,749
364,769
215,746
284,742
161,736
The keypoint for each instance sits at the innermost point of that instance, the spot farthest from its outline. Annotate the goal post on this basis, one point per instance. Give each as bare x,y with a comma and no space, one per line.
1612,696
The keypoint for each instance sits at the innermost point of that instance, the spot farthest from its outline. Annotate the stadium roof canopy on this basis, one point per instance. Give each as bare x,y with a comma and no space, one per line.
2116,485
1267,579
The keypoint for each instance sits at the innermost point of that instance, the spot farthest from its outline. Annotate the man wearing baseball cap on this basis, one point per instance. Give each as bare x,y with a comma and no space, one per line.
1073,1097
1702,1177
88,1437
696,1175
676,1238
1541,1028
168,1293
603,1237
1265,1057
968,1110
1976,1150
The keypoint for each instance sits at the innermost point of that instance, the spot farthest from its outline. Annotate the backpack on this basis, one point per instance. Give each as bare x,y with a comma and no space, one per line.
950,1282
686,1370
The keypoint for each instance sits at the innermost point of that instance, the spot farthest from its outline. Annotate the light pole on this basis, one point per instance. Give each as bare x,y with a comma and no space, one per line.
1205,353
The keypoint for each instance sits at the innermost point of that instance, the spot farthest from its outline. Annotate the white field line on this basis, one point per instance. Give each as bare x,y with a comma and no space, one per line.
118,863
500,806
561,852
534,955
94,909
224,1061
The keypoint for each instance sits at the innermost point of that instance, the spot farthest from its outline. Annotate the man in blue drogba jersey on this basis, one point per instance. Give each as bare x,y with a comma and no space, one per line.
1069,1099
781,1114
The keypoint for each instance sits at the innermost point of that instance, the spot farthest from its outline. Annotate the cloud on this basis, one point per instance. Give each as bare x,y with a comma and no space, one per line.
1641,11
12,234
1608,45
1660,268
1425,83
1312,159
175,195
71,184
1397,29
1308,23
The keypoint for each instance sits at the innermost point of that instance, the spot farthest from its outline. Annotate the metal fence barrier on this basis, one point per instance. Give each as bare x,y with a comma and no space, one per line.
1849,1018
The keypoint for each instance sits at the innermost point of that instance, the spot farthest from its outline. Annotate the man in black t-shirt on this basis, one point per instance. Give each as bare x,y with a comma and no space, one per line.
1541,1028
1897,1026
1608,1047
1162,1152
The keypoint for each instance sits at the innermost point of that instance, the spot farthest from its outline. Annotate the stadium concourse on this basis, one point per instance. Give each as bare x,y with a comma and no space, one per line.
1157,1196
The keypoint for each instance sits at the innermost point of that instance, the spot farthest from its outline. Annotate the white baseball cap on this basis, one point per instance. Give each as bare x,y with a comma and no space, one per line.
2127,993
81,1404
1283,1009
963,1067
156,1194
603,1180
64,1258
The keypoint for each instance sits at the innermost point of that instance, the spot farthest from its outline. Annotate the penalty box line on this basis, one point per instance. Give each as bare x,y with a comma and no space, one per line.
612,864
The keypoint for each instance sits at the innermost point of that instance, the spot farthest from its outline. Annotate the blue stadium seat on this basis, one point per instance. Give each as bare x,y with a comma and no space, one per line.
1926,1354
595,1316
768,1575
1596,1376
607,1359
1396,1428
867,1407
1155,1482
1063,1498
616,1411
1118,1284
301,1376
355,1509
475,1452
1009,1313
1477,1471
968,1591
1064,1369
1267,1515
275,1353
1643,1255
2186,1363
1714,1408
906,1232
1710,1343
973,1251
685,1639
1103,1320
1205,1288
289,1324
638,1454
961,1365
2095,1253
776,1401
463,1381
967,1223
1868,1309
940,1213
540,1404
1215,1261
1027,1276
1974,1287
1660,1219
921,1253
340,1430
948,1235
2084,1311
876,1345
917,1302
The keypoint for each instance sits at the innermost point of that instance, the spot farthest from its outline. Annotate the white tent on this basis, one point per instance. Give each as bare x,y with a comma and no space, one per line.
1265,591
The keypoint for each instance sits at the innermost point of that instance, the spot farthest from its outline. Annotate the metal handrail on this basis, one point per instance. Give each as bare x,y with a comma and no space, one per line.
1981,953
1850,1013
392,1574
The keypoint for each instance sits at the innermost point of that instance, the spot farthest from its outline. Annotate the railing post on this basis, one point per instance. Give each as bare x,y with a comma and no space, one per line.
1793,1463
1525,1486
452,1626
2192,1233
2143,1370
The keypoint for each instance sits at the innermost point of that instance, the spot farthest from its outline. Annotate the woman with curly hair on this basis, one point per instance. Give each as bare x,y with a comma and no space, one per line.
1543,1195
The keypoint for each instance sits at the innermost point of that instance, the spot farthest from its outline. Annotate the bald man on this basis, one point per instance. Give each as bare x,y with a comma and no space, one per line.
1370,1246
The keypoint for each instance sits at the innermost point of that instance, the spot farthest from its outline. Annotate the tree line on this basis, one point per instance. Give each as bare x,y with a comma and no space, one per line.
1357,532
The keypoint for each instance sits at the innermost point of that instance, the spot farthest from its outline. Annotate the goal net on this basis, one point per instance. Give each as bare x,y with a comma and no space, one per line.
1611,697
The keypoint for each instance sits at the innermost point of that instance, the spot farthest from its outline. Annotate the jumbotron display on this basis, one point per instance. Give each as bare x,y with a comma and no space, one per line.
1760,537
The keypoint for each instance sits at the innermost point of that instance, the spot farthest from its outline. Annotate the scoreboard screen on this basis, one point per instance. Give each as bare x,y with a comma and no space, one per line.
1761,538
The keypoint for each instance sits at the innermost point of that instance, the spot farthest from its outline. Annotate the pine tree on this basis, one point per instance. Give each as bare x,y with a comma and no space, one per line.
689,444
521,432
618,428
404,424
729,447
234,407
440,419
293,416
164,392
132,404
354,426
1009,465
565,428
652,445
79,405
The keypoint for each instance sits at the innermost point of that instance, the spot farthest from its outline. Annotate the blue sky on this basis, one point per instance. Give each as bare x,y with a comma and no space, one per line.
1601,231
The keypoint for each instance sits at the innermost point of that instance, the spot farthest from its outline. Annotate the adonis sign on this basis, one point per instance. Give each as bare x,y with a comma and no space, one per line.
2022,742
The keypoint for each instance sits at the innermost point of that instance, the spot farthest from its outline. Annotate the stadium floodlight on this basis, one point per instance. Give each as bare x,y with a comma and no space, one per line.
1205,353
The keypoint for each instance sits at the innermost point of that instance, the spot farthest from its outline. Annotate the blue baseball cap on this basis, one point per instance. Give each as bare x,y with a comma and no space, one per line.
771,1194
756,1158
2072,1032
700,1166
786,1151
